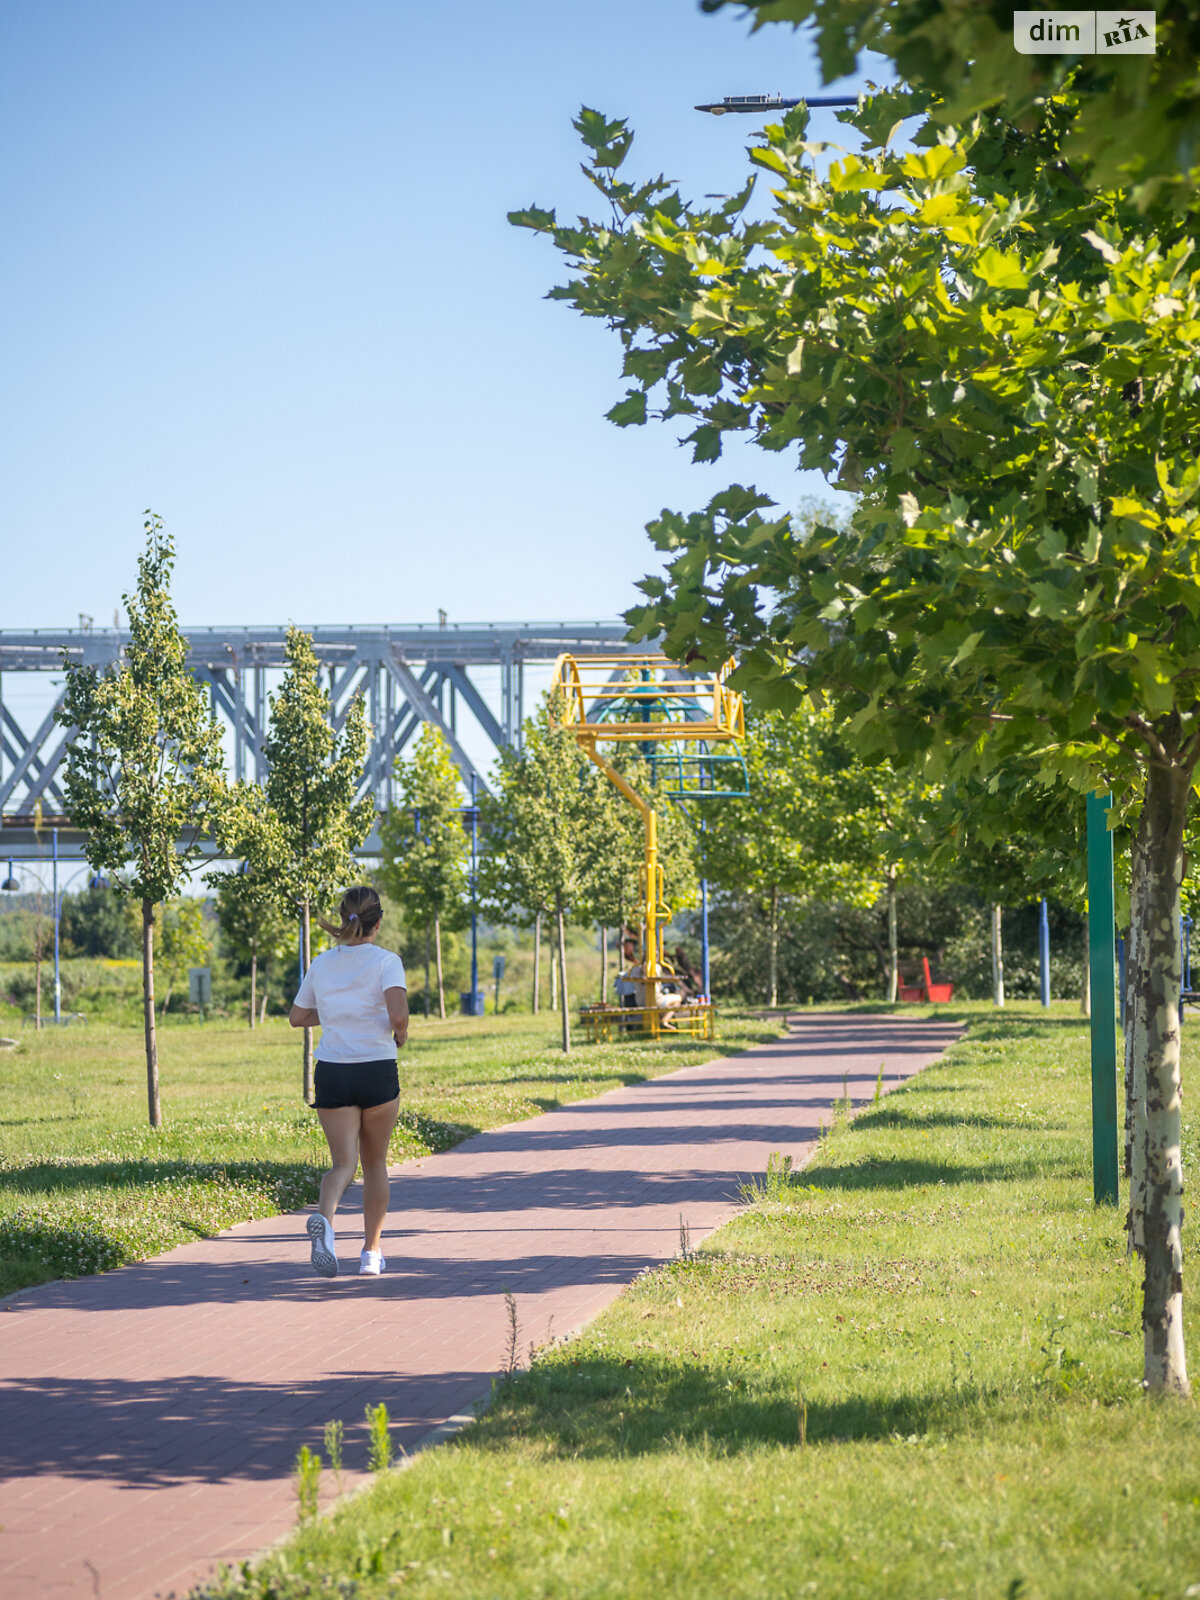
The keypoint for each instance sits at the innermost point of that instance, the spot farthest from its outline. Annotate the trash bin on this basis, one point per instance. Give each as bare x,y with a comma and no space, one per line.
464,1001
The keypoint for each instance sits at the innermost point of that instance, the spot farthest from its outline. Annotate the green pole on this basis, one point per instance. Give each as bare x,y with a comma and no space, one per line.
1101,922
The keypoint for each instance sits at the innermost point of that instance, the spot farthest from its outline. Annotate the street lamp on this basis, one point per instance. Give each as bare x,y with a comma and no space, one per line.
773,102
10,884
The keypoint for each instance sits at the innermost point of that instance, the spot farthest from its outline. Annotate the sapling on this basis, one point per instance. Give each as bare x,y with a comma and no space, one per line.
379,1440
307,1479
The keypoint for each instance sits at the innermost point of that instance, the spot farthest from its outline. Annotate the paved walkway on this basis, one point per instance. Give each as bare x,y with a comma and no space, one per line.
151,1416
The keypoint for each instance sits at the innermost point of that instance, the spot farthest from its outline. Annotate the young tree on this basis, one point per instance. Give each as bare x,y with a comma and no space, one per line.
426,851
253,928
145,773
544,828
999,360
182,942
311,824
812,827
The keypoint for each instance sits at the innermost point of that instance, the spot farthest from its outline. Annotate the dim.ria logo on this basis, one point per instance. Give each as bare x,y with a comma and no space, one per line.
1084,33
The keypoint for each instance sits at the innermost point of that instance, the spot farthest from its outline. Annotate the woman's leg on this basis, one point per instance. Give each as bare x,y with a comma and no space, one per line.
341,1129
377,1125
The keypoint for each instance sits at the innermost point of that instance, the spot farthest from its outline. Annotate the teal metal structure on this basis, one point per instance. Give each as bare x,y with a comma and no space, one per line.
1101,961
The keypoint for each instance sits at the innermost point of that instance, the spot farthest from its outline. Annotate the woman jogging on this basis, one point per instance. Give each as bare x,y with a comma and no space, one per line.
358,995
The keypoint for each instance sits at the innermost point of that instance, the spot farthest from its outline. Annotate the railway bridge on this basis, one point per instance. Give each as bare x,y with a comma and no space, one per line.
408,674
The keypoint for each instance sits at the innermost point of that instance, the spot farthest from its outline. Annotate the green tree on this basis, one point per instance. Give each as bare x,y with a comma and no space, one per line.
1140,119
96,922
814,826
306,834
182,942
544,828
426,852
145,773
1001,362
253,927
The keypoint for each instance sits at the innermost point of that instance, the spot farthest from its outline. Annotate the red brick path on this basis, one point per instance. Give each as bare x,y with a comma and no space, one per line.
151,1415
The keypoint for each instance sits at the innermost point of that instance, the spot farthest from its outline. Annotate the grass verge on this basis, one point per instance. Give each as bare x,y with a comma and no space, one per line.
85,1185
911,1370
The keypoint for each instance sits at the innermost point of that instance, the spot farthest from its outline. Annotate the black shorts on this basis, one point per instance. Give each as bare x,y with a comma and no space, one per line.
355,1083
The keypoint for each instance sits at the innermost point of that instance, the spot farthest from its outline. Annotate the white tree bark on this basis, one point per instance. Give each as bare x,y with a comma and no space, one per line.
537,962
154,1104
997,958
437,950
1160,862
893,939
562,981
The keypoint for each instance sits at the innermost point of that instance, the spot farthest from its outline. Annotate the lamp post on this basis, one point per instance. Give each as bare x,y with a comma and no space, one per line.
750,103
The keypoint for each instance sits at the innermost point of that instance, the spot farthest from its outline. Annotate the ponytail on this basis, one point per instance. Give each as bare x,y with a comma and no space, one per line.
361,913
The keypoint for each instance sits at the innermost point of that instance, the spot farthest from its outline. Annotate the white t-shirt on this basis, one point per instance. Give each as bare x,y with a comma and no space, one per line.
345,987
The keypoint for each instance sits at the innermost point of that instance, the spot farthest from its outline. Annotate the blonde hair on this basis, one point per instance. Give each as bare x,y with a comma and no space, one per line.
361,912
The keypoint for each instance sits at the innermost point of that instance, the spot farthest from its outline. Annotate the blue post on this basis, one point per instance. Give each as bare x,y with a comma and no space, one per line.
474,900
1185,971
704,922
54,898
1044,950
1101,918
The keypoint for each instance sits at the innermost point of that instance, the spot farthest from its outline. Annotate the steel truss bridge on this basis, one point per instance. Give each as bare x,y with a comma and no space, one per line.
407,675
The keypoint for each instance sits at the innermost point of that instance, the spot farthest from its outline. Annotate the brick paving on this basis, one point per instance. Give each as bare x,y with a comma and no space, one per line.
151,1415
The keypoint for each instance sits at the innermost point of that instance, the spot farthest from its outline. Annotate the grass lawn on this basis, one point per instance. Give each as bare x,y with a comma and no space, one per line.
85,1184
912,1370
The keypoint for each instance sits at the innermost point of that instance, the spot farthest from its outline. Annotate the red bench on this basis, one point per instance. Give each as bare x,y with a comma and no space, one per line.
927,993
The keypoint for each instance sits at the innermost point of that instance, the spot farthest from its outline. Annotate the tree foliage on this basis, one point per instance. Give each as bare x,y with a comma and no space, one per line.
1003,363
1140,115
145,777
426,851
548,832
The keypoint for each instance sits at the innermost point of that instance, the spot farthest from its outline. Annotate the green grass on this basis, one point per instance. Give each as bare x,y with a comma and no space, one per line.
86,1185
912,1370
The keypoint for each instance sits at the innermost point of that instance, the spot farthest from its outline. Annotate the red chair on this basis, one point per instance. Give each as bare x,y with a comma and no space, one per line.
936,993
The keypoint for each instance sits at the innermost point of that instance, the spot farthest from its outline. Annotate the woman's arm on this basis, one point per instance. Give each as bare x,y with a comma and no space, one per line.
304,1017
397,1010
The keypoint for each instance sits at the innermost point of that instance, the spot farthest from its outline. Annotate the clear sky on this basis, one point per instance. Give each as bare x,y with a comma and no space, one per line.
256,274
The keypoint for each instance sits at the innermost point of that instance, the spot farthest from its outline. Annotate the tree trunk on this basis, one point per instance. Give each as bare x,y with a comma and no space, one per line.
1160,859
305,952
537,961
562,979
1135,1066
437,948
37,988
262,1010
553,981
997,958
1085,990
162,1010
773,949
893,939
148,1013
253,988
603,965
427,969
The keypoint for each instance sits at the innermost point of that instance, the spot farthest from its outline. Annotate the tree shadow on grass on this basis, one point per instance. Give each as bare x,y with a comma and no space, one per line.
907,1173
51,1177
897,1116
594,1408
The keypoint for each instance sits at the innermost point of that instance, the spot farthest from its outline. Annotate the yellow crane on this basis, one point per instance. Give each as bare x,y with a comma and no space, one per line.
686,725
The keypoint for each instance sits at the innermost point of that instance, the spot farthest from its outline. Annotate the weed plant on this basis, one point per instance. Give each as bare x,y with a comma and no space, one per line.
85,1185
911,1369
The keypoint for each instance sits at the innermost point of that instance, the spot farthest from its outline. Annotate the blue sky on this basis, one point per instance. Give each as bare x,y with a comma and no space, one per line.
257,274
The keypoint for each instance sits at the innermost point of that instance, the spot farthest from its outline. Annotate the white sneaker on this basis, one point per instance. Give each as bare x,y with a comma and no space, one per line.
371,1263
324,1246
